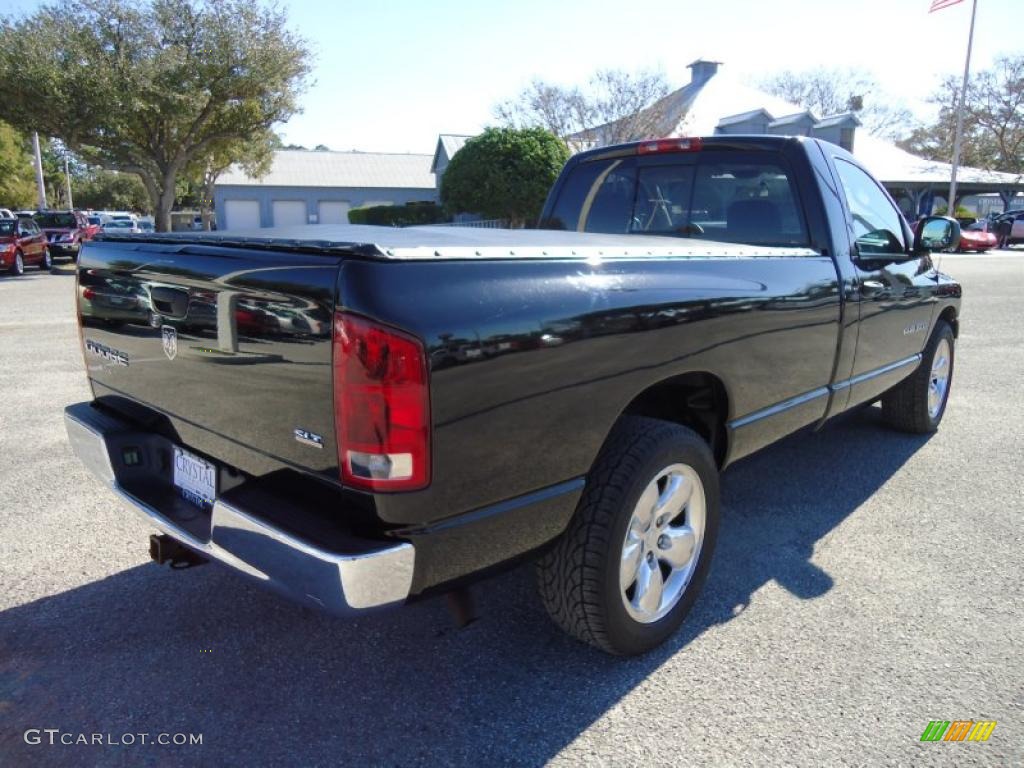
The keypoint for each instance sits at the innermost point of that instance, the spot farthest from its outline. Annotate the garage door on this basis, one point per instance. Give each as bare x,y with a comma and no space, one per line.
288,213
334,212
241,214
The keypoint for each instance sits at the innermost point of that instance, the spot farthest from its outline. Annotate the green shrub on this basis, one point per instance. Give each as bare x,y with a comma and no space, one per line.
408,215
504,173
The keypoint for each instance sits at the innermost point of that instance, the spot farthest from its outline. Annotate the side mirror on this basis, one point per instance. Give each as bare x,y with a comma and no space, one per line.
937,233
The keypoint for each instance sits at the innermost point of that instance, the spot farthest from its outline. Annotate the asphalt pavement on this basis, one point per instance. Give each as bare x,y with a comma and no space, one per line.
865,583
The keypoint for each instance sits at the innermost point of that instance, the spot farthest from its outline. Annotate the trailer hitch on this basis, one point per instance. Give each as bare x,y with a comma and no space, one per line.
166,549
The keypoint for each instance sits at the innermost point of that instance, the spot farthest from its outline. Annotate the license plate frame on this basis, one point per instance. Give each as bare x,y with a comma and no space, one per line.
194,478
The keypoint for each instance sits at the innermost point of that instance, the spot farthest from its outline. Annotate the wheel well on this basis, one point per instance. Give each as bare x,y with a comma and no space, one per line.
949,315
695,400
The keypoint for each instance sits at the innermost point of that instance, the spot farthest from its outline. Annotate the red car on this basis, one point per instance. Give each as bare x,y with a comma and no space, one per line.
65,231
976,237
92,224
21,243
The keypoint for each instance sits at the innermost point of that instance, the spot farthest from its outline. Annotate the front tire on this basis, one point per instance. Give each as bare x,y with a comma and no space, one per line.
18,267
917,404
47,261
629,567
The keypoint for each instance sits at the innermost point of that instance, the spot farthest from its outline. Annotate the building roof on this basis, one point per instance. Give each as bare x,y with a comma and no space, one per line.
843,118
310,168
449,143
743,117
797,117
722,95
893,166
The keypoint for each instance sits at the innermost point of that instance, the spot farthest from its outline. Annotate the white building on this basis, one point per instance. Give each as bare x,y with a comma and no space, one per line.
312,186
714,103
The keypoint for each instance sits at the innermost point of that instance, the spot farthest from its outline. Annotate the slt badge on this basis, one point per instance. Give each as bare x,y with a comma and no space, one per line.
170,334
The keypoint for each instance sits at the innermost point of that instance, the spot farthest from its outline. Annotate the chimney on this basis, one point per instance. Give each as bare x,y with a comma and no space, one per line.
702,71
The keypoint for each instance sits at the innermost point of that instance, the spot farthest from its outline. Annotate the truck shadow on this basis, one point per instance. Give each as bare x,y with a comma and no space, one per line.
267,682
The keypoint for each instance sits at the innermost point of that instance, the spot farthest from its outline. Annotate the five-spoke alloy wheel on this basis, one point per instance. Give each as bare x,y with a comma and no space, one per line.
662,543
938,382
630,565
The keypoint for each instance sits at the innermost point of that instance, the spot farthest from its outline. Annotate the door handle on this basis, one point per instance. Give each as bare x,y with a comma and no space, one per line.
870,288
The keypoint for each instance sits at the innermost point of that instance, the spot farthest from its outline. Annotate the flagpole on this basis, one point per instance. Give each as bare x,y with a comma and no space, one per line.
958,136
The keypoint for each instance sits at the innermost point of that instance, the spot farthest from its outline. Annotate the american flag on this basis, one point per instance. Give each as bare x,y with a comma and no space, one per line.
938,5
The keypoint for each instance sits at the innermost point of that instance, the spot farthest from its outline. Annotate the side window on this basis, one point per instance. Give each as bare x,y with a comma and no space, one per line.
876,223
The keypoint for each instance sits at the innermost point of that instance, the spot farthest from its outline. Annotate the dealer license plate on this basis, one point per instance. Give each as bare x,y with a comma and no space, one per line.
195,479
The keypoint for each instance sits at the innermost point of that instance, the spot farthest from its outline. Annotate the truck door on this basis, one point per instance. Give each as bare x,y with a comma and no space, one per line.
896,289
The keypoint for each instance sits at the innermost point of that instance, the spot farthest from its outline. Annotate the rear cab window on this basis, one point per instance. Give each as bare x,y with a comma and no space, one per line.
733,197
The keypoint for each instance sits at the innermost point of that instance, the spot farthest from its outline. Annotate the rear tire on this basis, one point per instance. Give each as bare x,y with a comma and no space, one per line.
629,567
917,404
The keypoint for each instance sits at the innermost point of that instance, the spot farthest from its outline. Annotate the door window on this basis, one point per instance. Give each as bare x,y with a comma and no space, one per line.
876,223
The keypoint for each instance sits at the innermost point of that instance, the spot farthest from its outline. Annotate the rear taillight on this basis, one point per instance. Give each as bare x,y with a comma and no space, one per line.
88,293
669,145
381,406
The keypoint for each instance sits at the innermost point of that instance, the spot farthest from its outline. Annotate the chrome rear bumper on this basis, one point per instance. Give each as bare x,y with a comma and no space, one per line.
372,575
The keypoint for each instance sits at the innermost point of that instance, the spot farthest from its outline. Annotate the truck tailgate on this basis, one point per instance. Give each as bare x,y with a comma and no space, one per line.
226,350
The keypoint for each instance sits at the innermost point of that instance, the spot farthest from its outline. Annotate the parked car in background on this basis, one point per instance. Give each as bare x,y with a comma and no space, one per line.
145,225
93,223
65,231
1017,226
977,236
6,213
22,243
123,226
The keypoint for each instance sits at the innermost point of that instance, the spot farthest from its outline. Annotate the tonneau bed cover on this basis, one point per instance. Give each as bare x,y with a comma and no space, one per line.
433,242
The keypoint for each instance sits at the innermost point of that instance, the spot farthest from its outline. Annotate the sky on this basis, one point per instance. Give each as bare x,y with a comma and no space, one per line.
390,75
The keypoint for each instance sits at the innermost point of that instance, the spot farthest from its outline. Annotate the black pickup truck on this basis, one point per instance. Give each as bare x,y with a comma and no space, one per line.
362,416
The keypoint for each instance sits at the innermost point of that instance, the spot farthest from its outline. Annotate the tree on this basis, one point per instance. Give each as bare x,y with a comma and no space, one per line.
831,91
151,87
111,191
254,157
996,106
615,107
993,129
17,178
504,173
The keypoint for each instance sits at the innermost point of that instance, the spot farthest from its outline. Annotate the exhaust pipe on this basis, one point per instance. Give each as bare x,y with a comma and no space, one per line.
166,549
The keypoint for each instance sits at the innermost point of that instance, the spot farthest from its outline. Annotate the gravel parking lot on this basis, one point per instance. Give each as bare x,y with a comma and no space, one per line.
865,583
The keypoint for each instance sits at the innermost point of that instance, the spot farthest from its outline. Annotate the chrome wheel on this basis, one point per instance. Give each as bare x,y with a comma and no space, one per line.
938,381
662,543
19,264
47,259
